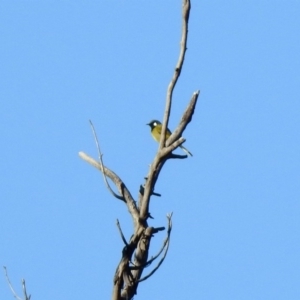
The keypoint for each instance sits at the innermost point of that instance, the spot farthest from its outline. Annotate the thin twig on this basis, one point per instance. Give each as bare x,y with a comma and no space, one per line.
101,162
185,20
185,120
128,199
165,246
10,285
159,252
121,233
24,290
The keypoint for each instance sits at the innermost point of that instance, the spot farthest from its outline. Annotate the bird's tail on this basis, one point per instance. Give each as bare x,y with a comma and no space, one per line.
186,150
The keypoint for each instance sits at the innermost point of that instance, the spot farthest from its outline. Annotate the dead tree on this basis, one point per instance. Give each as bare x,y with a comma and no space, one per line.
134,256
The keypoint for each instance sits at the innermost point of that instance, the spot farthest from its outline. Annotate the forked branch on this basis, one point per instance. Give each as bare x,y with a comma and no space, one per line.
26,297
123,191
165,247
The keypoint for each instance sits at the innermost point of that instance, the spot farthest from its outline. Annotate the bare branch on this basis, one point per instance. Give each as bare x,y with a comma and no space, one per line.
165,246
152,176
123,272
178,156
140,258
184,35
142,188
185,120
11,287
169,149
121,233
162,153
101,162
161,157
153,257
24,290
124,192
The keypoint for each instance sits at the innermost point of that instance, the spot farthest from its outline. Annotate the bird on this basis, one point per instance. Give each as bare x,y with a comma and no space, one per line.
156,132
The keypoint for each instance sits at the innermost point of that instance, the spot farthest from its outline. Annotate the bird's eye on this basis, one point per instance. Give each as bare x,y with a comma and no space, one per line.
154,123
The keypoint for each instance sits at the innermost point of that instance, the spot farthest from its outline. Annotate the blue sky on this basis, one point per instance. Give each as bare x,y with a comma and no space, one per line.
236,202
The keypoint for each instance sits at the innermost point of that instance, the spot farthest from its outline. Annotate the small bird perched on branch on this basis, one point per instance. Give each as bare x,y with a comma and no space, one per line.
156,127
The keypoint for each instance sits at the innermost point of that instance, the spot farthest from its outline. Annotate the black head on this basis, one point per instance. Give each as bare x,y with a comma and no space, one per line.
153,123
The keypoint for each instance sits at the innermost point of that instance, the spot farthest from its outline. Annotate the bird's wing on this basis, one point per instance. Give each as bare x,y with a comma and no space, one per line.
158,128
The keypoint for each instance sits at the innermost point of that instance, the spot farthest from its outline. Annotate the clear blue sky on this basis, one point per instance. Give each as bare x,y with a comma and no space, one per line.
236,203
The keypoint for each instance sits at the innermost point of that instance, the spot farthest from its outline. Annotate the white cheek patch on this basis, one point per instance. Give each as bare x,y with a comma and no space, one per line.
155,124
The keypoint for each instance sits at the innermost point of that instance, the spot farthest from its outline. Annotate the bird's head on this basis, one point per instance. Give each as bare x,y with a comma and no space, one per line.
153,123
